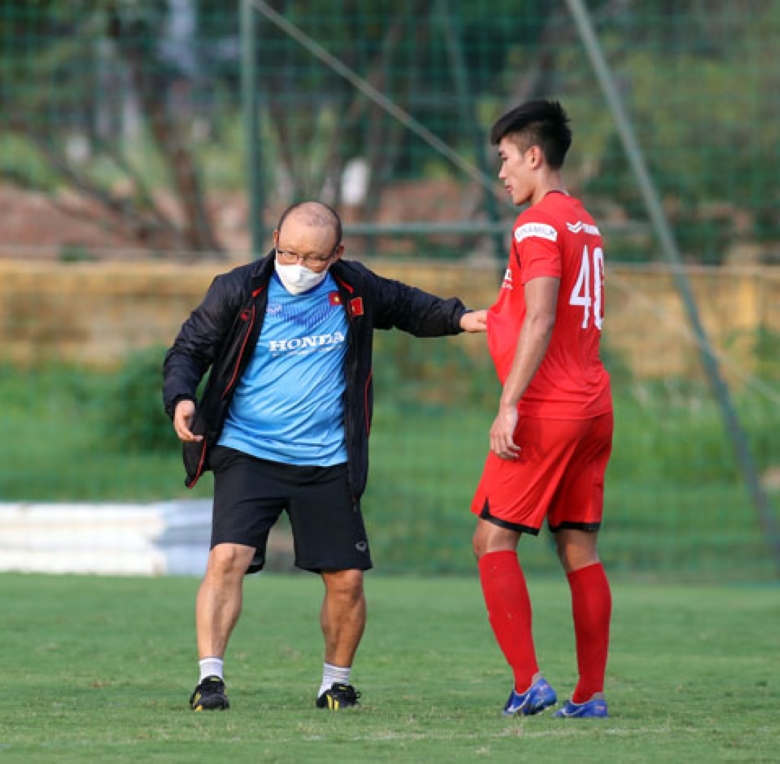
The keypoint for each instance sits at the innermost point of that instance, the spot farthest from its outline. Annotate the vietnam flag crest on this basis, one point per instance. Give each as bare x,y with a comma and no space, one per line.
356,306
334,298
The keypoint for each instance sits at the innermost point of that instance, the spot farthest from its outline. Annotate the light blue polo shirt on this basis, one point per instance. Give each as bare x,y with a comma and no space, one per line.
289,404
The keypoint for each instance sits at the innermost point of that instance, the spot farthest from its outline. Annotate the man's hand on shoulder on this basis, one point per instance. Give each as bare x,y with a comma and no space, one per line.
474,321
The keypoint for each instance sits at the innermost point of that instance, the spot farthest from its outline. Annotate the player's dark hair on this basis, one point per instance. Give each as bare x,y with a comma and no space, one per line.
537,123
319,213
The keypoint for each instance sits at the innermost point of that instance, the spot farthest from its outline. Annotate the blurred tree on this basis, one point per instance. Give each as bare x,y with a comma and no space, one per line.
123,100
317,123
85,79
707,129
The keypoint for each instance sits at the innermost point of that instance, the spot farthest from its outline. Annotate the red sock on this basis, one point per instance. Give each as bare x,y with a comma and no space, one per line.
591,602
509,612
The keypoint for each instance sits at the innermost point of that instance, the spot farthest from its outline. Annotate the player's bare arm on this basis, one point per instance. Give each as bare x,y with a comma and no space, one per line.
541,296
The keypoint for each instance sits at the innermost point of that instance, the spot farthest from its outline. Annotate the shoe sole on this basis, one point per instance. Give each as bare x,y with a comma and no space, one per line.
219,704
533,711
587,713
539,705
335,705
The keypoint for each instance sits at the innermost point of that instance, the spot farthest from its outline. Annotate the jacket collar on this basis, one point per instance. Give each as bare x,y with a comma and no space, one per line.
263,270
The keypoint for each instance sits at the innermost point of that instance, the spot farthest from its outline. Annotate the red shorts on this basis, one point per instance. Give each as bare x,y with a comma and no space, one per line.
559,474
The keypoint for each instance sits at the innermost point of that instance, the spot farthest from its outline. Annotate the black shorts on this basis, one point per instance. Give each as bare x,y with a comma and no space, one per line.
251,493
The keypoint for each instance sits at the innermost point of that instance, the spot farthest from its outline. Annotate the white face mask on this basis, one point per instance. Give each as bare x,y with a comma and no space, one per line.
298,279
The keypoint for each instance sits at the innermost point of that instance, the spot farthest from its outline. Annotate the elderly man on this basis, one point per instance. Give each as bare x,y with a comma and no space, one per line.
284,424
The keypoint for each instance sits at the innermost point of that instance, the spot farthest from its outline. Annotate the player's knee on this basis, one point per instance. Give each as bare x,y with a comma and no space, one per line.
344,584
489,538
229,559
574,556
563,556
478,546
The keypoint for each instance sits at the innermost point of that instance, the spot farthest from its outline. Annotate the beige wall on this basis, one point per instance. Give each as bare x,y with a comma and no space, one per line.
96,313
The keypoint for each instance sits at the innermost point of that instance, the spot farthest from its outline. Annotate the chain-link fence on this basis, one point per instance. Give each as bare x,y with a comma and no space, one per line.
131,120
174,132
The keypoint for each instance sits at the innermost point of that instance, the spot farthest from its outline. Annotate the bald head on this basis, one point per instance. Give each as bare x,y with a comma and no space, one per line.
315,215
312,232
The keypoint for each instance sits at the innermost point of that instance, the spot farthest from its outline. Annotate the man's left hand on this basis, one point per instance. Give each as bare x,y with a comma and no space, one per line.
502,433
474,321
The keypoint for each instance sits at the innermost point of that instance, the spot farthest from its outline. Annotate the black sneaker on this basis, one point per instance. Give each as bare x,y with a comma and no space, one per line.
338,696
210,695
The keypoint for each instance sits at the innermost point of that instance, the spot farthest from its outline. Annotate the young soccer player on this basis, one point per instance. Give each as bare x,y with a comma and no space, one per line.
552,436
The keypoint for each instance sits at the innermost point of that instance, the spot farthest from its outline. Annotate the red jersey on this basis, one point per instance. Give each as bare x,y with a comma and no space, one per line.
556,237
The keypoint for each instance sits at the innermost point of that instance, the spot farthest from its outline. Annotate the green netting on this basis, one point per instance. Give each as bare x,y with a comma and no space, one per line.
124,135
383,109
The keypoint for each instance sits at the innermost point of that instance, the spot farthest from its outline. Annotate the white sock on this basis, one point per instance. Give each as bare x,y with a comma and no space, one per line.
332,675
210,667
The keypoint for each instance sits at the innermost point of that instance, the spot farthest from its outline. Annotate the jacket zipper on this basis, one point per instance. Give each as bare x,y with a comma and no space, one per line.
199,469
231,382
247,335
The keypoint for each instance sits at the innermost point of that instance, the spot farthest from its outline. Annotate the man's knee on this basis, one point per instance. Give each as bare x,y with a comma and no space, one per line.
344,584
489,537
227,560
576,549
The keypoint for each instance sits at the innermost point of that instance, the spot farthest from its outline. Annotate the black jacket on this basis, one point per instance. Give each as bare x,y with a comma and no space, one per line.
221,334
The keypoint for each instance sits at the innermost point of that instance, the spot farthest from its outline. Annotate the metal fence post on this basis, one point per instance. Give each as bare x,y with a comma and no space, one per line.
250,107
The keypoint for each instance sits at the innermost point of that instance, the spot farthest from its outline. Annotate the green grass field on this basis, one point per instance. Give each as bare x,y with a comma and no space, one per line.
100,669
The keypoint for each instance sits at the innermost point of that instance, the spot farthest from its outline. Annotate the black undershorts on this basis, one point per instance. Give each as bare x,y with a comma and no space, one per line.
250,494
